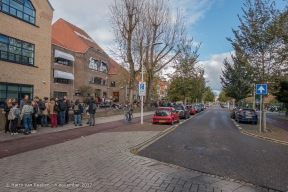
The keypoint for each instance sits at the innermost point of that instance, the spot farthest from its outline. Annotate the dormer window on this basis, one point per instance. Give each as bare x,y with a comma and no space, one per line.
22,9
103,67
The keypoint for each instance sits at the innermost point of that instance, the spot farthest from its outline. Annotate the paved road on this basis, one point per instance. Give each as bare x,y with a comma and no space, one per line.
274,120
211,143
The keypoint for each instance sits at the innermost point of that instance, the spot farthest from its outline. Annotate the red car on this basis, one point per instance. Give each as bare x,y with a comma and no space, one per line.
165,115
191,109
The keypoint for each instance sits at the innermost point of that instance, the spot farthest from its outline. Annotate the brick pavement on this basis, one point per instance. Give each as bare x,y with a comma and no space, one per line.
102,162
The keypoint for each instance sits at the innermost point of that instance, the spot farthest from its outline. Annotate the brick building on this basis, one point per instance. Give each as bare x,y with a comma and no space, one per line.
80,68
25,47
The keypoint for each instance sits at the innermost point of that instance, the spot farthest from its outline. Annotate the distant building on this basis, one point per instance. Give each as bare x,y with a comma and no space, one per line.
80,68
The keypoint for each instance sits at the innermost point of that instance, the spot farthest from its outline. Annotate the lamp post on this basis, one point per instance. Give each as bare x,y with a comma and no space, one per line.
142,80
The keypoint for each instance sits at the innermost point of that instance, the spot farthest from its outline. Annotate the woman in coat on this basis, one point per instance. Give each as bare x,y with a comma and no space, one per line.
53,112
7,107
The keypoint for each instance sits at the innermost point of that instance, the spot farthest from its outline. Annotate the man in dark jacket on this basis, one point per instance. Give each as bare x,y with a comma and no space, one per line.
61,113
78,111
68,106
92,110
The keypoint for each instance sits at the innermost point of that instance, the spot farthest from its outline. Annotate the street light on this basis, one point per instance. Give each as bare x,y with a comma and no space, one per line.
142,79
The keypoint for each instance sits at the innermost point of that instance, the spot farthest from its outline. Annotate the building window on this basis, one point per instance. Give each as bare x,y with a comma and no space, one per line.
98,81
17,91
22,9
15,50
113,84
103,67
116,96
59,94
77,92
62,61
93,64
104,82
59,80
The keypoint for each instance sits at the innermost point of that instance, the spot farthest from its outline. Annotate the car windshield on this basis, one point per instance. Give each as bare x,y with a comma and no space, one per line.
162,112
178,107
248,112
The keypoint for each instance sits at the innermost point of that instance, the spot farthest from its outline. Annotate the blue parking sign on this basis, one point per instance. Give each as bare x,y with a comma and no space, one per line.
142,88
261,89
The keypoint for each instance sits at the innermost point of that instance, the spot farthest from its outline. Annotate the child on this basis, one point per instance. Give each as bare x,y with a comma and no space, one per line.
14,122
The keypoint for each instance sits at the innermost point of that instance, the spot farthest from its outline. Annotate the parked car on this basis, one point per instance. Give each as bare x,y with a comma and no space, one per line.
197,108
246,115
165,115
192,109
207,105
202,106
182,111
233,112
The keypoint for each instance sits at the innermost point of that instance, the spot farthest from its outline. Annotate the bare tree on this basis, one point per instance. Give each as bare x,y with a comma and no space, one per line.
138,26
125,17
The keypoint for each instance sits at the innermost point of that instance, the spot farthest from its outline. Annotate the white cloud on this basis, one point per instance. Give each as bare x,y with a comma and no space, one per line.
93,15
213,68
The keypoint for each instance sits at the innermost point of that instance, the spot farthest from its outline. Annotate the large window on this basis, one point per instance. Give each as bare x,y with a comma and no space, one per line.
17,91
98,80
23,9
93,63
59,94
103,67
59,80
62,61
15,50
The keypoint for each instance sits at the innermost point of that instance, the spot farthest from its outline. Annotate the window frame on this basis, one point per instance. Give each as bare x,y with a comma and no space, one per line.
57,95
17,10
14,46
114,84
19,92
62,61
61,81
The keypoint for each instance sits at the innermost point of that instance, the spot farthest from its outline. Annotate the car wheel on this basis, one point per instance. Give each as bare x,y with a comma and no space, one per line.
172,122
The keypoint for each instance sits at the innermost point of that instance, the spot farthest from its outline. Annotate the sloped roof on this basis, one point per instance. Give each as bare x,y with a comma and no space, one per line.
69,36
112,71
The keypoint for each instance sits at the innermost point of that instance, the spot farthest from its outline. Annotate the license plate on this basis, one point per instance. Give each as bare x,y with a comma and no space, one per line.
161,121
248,117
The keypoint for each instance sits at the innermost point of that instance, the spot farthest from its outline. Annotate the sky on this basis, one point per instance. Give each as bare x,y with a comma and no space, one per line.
209,22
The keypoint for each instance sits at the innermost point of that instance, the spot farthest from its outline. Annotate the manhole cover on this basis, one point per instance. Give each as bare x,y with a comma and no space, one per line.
194,148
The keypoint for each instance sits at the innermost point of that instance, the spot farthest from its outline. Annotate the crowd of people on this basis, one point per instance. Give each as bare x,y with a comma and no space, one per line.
32,114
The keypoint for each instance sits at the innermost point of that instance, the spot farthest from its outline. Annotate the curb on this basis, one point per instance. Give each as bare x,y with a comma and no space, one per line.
258,136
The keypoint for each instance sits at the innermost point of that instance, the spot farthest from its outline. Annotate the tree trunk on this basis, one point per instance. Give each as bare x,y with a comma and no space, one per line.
131,85
149,87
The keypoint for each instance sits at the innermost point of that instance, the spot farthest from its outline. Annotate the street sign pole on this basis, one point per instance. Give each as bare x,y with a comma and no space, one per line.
260,114
142,93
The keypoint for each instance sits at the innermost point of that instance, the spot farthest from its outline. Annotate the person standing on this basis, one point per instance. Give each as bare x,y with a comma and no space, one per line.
44,113
78,111
68,106
92,110
14,122
7,107
52,109
22,103
61,113
35,116
26,112
40,106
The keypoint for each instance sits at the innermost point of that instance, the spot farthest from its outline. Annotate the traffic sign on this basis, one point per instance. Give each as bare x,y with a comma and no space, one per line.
261,89
142,88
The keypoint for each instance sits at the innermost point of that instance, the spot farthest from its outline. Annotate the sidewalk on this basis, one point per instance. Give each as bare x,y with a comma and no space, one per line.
44,130
103,162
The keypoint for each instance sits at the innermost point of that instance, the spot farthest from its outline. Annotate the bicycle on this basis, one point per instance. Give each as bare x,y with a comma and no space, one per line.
126,117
